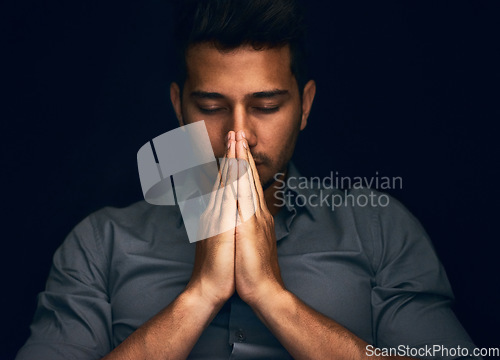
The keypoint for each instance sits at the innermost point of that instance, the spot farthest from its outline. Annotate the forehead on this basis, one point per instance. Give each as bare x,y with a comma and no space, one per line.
242,69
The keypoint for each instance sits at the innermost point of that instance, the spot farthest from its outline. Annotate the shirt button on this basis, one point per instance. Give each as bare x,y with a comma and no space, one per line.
240,335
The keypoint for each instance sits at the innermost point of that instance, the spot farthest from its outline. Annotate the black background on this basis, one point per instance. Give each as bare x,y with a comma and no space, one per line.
407,89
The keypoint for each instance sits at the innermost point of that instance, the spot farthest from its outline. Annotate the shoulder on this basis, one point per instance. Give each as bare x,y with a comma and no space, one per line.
360,207
140,225
377,221
368,207
137,217
392,228
113,234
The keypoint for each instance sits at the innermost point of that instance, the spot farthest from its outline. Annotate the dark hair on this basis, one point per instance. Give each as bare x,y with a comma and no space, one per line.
229,24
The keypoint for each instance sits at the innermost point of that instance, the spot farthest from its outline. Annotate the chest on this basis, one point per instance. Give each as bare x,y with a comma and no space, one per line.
334,283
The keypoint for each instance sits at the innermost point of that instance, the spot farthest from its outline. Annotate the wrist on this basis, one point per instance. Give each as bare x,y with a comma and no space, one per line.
267,295
202,295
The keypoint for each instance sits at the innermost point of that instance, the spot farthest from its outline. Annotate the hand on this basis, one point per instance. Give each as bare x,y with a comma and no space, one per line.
213,273
257,272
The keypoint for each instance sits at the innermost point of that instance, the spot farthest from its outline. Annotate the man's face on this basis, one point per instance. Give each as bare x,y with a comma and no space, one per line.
244,89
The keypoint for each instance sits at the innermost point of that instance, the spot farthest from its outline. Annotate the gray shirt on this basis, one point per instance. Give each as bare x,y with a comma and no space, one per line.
370,268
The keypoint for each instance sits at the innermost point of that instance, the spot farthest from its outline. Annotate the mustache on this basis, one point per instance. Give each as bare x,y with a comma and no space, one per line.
259,158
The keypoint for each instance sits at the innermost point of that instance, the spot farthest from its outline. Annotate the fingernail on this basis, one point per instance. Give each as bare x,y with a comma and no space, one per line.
243,135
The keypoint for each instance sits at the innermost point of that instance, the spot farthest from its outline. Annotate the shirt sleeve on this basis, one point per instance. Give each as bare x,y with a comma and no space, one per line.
73,315
411,297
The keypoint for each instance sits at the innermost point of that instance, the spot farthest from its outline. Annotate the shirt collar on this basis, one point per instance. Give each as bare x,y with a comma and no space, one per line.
295,184
291,189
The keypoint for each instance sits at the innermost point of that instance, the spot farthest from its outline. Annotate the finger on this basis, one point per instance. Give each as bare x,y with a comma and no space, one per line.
256,180
233,171
223,175
213,221
222,166
209,220
243,152
229,212
227,197
247,198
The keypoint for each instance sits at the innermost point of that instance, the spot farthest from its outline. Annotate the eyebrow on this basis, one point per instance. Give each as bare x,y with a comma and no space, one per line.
257,95
206,95
269,94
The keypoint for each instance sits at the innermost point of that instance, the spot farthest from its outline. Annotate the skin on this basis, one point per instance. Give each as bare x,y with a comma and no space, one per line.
234,92
266,104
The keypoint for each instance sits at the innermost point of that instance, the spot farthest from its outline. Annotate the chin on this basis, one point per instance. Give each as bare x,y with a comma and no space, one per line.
266,180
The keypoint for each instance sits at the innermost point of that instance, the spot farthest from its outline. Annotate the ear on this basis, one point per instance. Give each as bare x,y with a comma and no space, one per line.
307,101
175,98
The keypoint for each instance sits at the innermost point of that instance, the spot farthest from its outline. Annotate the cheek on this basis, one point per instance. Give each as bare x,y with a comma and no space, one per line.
283,134
284,140
215,130
216,135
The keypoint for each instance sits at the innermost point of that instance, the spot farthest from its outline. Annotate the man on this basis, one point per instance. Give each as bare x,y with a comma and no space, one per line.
289,281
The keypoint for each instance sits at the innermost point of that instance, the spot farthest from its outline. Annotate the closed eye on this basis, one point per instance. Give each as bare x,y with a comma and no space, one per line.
267,110
210,110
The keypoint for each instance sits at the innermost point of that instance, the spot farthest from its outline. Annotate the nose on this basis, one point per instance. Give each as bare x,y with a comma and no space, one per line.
241,120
